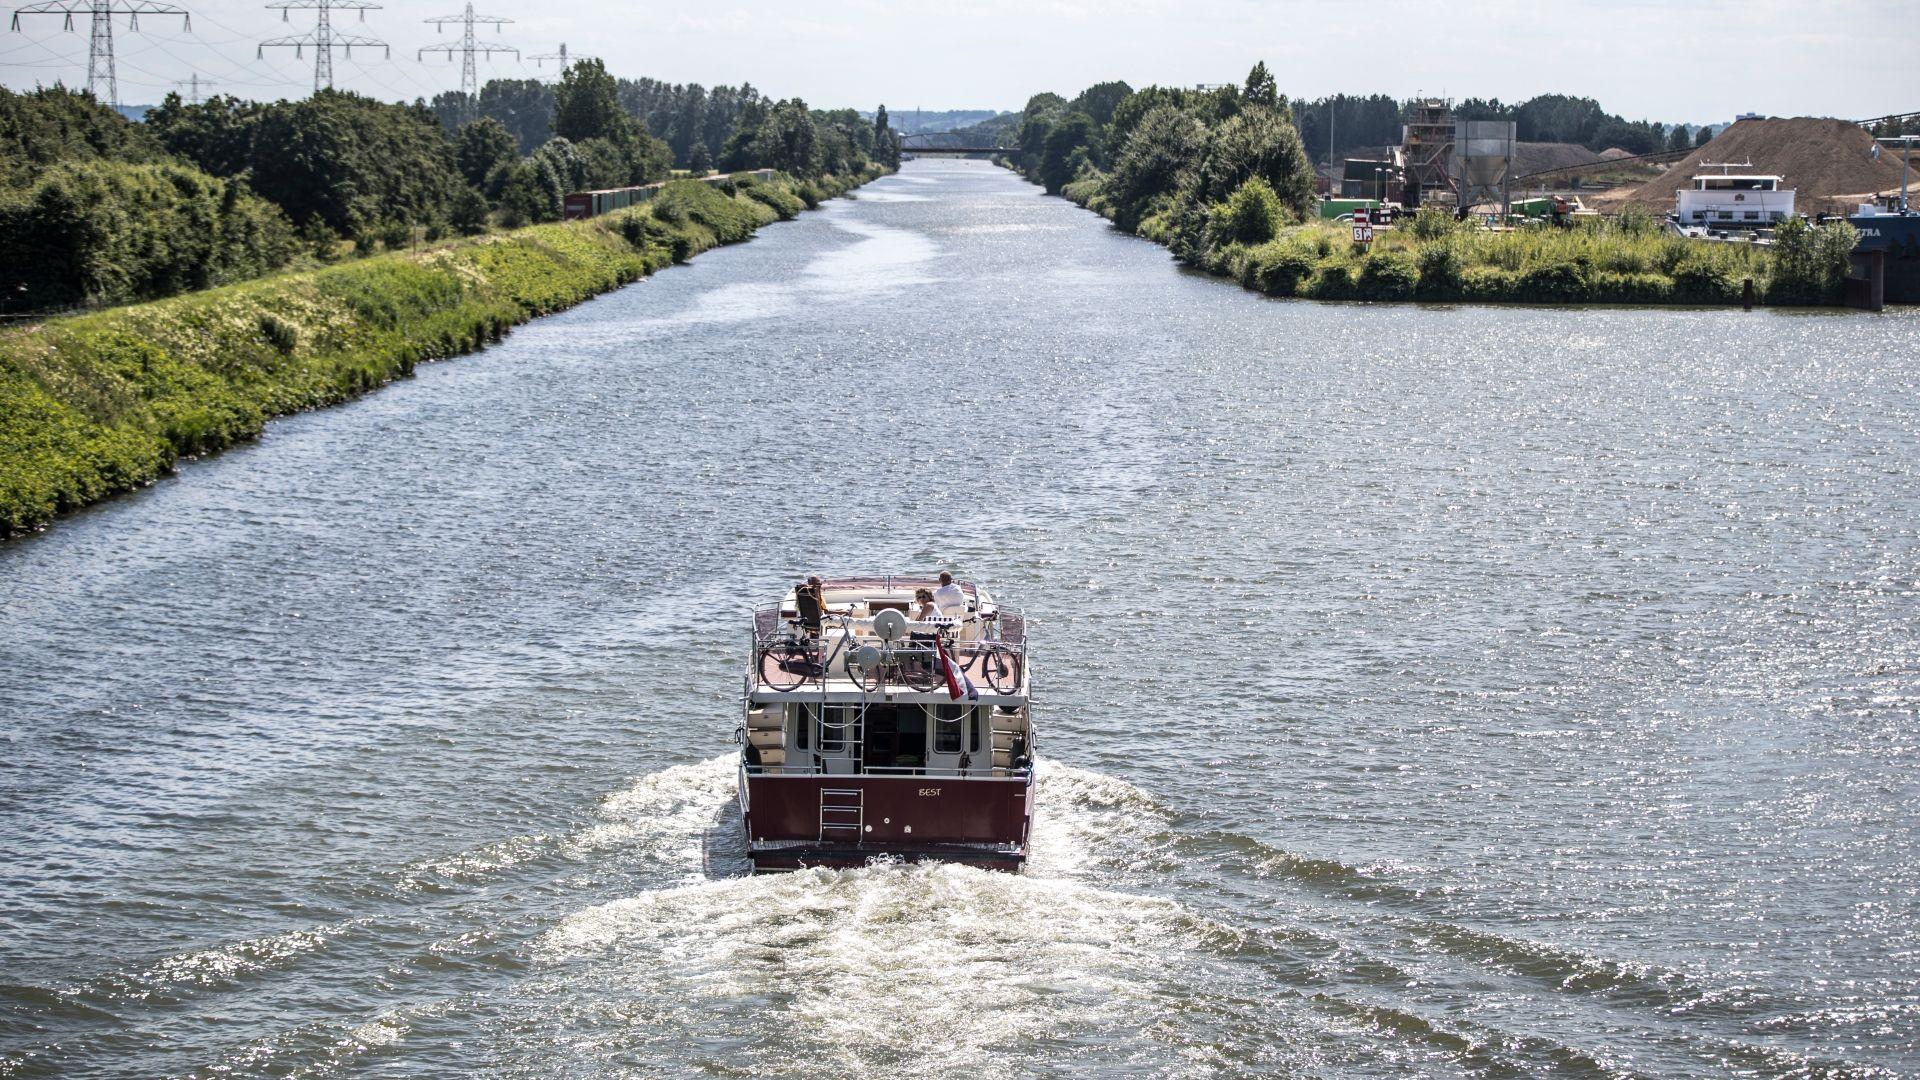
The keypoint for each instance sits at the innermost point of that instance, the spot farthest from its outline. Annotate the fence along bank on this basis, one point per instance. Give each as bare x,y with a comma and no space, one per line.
586,204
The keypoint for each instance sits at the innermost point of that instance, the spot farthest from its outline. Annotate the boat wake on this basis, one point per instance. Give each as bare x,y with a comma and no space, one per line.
1131,941
869,969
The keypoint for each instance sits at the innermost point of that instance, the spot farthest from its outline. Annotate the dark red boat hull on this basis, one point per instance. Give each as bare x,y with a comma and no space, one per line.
977,820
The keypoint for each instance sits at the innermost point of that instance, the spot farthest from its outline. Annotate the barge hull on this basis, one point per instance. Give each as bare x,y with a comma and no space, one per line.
851,819
767,858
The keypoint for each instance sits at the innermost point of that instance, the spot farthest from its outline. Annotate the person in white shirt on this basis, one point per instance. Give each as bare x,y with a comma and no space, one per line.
949,599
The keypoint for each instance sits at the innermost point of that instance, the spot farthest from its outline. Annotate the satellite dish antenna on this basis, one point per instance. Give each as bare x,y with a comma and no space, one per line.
889,625
866,658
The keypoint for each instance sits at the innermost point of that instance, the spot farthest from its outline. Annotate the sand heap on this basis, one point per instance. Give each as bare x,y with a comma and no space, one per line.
1538,157
1827,162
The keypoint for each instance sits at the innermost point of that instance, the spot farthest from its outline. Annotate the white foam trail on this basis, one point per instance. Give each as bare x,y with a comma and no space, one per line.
890,963
466,866
667,816
886,963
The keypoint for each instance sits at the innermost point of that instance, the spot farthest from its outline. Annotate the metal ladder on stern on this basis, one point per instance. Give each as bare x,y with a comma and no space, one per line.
843,814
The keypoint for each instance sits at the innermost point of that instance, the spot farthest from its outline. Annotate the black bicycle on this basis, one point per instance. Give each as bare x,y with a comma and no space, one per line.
998,663
797,658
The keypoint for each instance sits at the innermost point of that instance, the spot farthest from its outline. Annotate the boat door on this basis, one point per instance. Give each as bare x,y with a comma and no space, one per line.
826,738
953,737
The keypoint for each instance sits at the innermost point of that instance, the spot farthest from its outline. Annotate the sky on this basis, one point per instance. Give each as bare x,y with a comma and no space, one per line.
1693,61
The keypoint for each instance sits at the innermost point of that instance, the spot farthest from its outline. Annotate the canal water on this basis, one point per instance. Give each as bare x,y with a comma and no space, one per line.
1441,691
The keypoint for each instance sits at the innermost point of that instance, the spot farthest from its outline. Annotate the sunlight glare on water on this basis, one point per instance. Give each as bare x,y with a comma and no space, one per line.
1432,691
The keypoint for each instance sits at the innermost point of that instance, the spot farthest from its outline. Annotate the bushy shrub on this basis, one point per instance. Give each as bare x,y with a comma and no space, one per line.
1488,284
106,232
1554,283
391,234
779,198
1705,281
468,213
1440,270
1617,288
1388,275
1432,223
280,333
1253,214
1333,281
1810,264
1635,220
1279,268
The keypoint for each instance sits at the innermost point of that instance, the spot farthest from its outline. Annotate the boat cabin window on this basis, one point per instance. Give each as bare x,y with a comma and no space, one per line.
828,735
882,603
947,720
1734,183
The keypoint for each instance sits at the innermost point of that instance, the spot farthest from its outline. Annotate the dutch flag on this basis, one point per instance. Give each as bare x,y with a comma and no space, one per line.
958,685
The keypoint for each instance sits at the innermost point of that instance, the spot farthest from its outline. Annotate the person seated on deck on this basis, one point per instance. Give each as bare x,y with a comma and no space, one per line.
811,600
924,608
922,611
951,600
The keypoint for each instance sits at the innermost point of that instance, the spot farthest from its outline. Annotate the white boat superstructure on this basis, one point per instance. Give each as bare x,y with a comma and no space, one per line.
1730,200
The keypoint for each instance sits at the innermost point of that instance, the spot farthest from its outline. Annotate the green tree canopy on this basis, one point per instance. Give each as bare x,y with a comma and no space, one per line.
481,146
1257,142
586,105
1100,100
52,125
1058,164
1260,88
1154,161
524,106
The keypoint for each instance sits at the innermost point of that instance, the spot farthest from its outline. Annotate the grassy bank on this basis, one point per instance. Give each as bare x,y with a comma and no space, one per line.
1431,257
102,403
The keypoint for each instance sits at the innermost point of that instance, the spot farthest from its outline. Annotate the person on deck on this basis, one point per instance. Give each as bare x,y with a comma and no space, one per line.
923,610
949,597
923,606
811,600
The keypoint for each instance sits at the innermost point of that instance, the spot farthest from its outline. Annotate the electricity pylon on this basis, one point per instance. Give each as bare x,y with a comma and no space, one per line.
100,72
322,37
193,85
561,56
468,46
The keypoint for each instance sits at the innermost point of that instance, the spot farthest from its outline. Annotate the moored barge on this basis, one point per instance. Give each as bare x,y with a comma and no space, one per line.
875,726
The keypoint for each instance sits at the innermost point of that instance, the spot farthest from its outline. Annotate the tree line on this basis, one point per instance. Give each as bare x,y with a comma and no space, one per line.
1220,176
1194,168
1339,125
99,209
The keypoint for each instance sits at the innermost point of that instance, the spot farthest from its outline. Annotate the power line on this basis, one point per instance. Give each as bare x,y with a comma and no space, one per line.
322,37
100,71
468,47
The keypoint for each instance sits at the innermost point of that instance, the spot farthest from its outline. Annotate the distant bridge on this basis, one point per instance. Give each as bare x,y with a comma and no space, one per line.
907,146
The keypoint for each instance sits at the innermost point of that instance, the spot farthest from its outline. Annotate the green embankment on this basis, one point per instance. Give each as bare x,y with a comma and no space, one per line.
1628,259
99,404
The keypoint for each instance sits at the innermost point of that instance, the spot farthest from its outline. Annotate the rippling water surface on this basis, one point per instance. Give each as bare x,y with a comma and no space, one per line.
1437,692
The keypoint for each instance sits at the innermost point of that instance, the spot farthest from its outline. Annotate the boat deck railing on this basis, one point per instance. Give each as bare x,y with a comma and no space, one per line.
989,649
807,769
